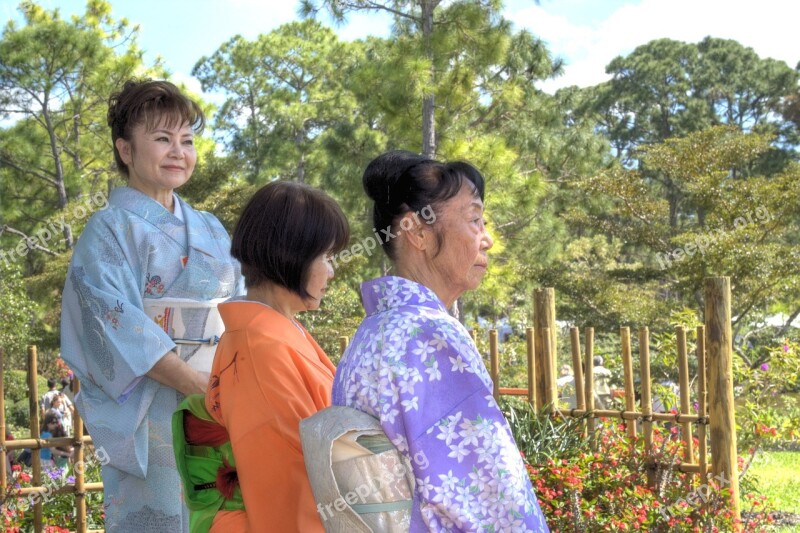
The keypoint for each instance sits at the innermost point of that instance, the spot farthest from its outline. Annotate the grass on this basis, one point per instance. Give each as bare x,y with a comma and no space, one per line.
778,475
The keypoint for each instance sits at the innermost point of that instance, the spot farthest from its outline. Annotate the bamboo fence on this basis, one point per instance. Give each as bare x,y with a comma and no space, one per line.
35,443
714,379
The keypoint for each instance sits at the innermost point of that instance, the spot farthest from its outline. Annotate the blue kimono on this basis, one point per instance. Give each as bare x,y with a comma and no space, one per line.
415,368
131,251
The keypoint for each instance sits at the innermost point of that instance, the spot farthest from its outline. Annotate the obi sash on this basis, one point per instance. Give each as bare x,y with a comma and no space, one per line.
361,483
195,326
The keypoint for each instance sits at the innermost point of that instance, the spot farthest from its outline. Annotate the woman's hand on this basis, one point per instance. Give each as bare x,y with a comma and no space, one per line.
173,372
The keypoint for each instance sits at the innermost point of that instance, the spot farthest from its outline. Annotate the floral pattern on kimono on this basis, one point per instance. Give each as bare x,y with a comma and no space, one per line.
415,368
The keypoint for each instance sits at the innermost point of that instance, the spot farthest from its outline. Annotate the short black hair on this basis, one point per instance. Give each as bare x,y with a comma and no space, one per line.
51,382
282,229
400,182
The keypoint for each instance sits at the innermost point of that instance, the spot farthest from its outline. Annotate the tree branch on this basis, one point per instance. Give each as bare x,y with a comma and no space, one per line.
30,241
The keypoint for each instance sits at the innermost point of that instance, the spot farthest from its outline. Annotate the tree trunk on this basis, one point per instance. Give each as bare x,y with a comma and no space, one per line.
61,190
428,101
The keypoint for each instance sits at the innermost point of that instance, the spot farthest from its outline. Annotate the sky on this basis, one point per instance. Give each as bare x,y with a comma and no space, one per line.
586,34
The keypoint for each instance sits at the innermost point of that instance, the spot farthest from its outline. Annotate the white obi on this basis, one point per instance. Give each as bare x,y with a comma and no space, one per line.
195,326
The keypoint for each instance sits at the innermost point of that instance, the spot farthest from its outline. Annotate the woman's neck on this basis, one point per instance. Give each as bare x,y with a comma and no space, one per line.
426,276
278,298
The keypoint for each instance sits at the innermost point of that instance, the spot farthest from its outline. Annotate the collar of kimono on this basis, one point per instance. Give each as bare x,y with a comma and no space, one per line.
239,314
138,203
389,292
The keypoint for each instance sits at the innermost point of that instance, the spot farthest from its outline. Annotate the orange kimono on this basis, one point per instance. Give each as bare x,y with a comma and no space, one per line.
268,374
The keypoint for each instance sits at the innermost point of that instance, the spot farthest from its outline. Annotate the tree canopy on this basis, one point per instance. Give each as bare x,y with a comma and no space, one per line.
622,196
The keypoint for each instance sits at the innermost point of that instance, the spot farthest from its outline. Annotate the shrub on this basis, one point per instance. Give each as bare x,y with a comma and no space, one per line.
618,485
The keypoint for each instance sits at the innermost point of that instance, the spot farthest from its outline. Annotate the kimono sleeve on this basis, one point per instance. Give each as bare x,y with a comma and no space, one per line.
468,469
105,335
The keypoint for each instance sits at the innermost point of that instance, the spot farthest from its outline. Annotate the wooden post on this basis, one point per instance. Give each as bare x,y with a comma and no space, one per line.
647,400
544,319
551,393
627,367
33,407
589,381
702,445
683,381
531,369
343,341
3,453
80,488
577,371
577,367
719,352
494,358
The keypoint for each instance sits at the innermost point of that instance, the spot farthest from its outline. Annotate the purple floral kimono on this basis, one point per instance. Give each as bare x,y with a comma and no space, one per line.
415,368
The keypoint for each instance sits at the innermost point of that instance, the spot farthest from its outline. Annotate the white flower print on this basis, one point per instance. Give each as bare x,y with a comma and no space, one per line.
433,371
410,404
458,452
423,350
458,364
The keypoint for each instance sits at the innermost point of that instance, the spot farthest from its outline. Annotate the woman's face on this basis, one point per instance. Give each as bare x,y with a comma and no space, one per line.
319,273
159,160
462,260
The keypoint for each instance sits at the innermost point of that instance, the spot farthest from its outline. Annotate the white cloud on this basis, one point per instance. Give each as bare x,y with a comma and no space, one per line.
769,27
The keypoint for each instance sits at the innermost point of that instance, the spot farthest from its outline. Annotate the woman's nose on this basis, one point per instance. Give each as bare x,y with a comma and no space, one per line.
487,242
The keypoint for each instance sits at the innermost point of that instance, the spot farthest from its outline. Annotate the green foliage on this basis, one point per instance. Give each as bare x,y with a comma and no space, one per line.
608,488
16,314
15,384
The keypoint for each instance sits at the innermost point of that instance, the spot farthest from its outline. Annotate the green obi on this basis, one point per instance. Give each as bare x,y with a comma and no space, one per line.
198,465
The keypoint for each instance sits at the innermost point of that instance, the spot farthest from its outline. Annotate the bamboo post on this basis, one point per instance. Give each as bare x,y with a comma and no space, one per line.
719,351
531,368
647,400
494,358
577,368
702,446
36,460
544,321
627,367
80,488
589,381
3,452
551,393
683,379
343,341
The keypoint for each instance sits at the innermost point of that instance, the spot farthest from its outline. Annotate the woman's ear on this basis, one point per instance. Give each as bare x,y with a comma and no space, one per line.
124,149
416,233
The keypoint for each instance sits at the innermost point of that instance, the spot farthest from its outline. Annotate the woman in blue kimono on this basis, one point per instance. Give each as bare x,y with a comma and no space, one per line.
148,247
415,368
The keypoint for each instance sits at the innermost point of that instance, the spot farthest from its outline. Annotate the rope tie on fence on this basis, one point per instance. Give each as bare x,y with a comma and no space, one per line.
646,418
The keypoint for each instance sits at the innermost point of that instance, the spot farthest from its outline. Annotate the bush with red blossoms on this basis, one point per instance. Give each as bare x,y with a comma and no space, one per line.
618,485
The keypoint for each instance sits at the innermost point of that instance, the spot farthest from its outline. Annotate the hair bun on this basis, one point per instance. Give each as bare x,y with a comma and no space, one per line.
385,173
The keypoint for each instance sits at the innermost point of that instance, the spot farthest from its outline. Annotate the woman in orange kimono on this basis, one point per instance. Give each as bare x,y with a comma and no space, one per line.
268,372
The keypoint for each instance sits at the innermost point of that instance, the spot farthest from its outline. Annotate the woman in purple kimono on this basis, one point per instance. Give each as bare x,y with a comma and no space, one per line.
415,368
139,305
